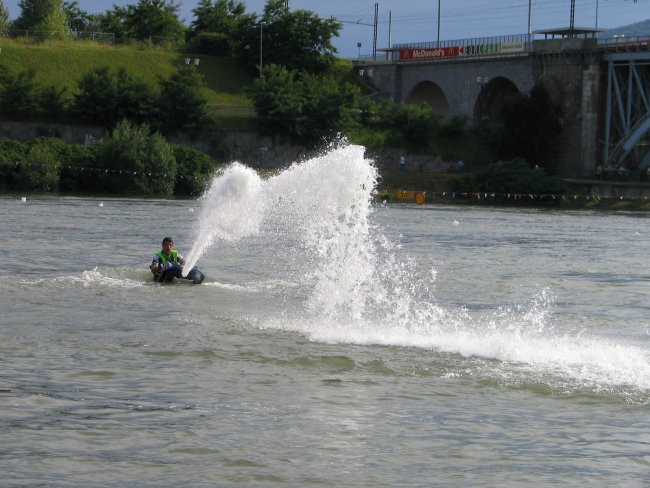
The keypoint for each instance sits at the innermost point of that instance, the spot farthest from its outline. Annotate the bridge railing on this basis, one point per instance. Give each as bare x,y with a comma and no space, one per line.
478,47
622,43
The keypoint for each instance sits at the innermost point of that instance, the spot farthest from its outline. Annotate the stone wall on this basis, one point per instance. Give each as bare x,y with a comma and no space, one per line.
572,80
246,147
72,134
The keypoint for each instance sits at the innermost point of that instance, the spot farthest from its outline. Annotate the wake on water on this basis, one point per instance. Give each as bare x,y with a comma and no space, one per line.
362,292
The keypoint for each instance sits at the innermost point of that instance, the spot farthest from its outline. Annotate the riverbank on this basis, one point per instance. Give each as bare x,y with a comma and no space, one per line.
437,188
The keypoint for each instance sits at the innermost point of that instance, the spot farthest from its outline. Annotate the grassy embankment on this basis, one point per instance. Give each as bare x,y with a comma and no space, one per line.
63,63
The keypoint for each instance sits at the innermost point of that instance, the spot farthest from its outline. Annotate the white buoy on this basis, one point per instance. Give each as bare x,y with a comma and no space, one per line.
101,204
191,210
23,199
456,222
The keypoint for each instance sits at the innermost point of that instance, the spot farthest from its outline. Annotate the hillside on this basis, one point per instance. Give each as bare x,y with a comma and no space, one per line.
638,29
63,63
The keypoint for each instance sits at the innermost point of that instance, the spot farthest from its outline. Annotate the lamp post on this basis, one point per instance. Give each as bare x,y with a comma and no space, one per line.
262,24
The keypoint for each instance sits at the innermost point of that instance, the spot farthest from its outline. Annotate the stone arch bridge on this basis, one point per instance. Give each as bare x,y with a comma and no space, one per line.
473,77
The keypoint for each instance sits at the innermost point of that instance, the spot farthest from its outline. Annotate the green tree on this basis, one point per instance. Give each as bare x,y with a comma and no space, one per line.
218,25
193,170
105,97
182,104
112,21
53,105
19,94
4,17
44,16
12,153
298,40
151,19
413,126
301,107
136,161
78,20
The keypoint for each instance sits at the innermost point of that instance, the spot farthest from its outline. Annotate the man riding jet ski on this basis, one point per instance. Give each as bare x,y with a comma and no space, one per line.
167,264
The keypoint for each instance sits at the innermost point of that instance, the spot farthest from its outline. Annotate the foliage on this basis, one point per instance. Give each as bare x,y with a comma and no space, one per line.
193,169
4,16
113,21
32,167
414,127
48,164
136,161
11,154
297,40
53,106
106,97
47,17
153,18
217,26
182,104
453,127
300,107
19,94
70,157
43,169
531,128
508,177
149,20
78,20
54,26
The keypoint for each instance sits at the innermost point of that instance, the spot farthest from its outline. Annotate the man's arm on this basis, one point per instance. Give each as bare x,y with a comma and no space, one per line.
155,266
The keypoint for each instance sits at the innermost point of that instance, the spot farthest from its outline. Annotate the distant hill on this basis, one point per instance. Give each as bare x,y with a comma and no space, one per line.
638,29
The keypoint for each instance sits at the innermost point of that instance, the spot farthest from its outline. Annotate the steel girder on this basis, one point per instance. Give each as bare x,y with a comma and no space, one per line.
627,116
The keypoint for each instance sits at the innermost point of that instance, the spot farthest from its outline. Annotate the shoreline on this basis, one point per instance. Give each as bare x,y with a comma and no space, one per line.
479,199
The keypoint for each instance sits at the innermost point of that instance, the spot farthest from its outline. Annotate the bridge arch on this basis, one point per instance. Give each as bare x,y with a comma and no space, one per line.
490,101
430,93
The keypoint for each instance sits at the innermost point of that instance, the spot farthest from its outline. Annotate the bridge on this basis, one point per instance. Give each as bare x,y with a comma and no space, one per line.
603,87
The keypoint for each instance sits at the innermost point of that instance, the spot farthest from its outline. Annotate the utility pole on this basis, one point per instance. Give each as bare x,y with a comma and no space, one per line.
573,16
374,40
390,41
530,2
438,42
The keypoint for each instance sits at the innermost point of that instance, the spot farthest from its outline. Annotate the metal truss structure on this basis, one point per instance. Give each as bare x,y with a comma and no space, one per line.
627,116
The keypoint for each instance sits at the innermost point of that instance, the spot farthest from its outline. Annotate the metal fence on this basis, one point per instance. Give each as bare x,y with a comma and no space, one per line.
511,45
623,43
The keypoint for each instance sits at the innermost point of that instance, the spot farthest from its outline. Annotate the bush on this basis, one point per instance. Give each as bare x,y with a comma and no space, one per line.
106,97
454,126
135,161
12,154
414,127
508,177
19,94
193,170
182,103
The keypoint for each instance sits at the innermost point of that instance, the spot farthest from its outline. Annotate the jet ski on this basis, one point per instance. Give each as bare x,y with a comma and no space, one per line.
175,271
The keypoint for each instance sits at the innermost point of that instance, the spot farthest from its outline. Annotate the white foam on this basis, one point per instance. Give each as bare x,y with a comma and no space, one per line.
361,291
231,210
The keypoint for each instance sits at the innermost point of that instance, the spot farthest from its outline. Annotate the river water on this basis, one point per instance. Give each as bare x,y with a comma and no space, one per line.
335,342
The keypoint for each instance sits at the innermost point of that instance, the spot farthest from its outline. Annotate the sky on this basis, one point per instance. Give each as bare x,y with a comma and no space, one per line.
414,21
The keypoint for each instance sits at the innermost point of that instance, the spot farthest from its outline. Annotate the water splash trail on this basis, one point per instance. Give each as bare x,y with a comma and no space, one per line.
362,290
232,209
